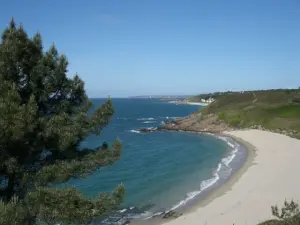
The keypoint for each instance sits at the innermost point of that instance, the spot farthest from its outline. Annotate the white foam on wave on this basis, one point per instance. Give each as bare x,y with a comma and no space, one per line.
135,131
122,210
210,182
234,146
219,167
121,118
169,117
203,185
149,121
150,118
227,160
147,215
151,215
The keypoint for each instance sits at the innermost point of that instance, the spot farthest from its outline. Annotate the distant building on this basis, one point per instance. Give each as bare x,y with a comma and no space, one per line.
210,100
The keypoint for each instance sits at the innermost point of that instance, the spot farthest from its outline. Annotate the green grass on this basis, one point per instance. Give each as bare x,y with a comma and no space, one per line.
290,110
273,109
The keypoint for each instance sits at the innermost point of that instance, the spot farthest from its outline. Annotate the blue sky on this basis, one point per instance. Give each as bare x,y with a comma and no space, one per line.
138,47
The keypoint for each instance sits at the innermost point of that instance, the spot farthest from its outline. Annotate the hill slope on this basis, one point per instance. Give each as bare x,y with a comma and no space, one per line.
276,110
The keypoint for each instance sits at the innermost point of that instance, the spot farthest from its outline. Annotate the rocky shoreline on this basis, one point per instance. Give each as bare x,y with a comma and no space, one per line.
209,124
192,123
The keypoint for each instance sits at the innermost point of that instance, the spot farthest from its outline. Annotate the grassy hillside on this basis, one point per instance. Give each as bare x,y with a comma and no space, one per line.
272,109
276,110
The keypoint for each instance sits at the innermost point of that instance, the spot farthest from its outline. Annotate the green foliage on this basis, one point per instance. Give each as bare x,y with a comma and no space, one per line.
285,111
222,116
15,212
272,109
44,116
234,121
289,210
287,215
75,207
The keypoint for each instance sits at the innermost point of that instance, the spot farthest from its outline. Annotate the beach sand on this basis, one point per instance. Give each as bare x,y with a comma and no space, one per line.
269,176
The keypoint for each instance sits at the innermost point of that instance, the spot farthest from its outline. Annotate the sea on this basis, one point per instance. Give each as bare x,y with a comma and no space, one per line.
161,171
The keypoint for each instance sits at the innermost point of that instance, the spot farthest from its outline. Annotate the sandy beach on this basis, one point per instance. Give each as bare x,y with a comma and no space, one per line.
268,178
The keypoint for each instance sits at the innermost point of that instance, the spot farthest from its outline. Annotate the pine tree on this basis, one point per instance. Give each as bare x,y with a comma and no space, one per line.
43,119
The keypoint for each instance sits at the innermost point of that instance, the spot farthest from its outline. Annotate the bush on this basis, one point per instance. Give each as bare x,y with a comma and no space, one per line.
287,215
221,116
235,121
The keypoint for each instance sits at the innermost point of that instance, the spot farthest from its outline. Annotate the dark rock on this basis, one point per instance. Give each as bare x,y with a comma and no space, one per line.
104,145
147,130
151,129
171,215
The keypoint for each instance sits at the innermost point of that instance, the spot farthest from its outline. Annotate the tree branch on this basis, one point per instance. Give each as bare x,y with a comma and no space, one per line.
62,171
68,204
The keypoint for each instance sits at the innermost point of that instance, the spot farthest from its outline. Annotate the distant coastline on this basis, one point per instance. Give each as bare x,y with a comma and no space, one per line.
184,102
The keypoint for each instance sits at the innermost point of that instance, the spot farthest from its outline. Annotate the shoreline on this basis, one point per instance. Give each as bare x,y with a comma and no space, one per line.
221,190
249,193
245,153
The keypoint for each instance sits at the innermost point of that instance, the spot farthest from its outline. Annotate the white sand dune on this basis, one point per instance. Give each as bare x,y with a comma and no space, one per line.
270,179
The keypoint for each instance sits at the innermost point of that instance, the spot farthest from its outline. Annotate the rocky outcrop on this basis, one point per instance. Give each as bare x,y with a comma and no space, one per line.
171,215
150,129
197,123
209,123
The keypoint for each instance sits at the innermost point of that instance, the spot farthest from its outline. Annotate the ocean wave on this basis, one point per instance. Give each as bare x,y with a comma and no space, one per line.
169,117
223,169
122,210
208,183
215,176
234,149
123,215
122,118
227,160
150,118
155,214
234,146
149,121
218,168
135,131
203,185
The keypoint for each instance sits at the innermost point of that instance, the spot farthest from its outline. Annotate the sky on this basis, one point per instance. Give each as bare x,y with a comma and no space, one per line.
169,47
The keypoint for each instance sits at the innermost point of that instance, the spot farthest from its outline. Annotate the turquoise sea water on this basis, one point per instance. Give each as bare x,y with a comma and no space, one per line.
160,170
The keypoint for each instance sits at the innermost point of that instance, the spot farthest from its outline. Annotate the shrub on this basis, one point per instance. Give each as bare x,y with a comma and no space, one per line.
235,121
221,116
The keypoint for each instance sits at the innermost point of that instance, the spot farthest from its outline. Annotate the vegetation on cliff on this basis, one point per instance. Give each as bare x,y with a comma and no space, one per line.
276,110
43,119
